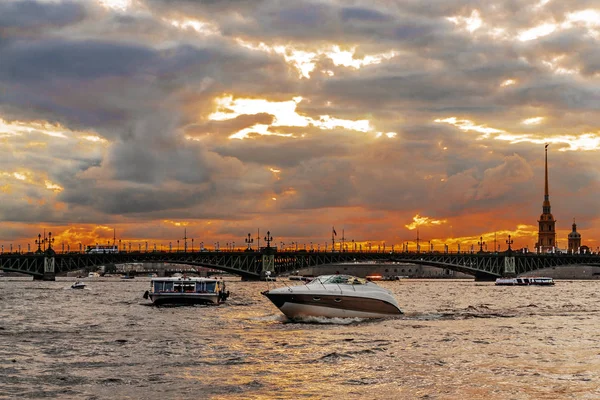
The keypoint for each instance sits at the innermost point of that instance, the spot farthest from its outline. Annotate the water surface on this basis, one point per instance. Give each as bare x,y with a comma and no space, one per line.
458,340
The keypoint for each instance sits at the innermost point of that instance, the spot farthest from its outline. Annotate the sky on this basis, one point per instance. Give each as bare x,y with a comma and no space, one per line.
151,120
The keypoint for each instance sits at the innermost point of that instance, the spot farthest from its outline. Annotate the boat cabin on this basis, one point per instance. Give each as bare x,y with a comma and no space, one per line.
185,285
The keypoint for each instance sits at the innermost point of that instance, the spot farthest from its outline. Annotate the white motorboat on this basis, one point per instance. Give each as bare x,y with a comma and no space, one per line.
335,296
78,285
525,281
182,290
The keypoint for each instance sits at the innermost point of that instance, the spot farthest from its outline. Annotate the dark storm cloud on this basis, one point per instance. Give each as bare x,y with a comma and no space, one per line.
363,14
32,15
31,63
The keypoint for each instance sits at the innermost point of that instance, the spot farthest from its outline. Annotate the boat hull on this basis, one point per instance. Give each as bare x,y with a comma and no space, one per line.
184,298
525,281
296,305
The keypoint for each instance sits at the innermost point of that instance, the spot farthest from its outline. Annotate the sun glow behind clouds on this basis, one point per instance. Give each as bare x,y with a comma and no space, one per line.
304,61
284,113
586,141
471,23
533,121
424,221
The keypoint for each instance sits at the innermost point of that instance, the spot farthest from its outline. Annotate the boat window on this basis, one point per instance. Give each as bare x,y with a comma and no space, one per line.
343,280
188,286
205,287
159,286
162,286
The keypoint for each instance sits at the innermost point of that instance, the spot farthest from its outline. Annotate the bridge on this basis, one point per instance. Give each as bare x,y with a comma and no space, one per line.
253,265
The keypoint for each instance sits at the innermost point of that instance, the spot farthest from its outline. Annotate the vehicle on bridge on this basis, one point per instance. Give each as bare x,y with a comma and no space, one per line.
99,248
186,290
335,296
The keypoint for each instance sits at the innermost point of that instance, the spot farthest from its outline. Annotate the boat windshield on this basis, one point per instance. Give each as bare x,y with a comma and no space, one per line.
341,280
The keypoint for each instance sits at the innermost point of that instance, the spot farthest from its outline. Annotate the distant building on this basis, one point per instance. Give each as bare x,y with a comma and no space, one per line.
574,239
547,224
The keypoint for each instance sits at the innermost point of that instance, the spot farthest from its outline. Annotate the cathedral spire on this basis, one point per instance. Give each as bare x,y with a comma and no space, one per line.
546,195
547,223
546,205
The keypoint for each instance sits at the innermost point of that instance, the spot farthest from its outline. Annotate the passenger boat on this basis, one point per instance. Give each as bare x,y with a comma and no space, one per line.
182,290
78,285
342,296
525,281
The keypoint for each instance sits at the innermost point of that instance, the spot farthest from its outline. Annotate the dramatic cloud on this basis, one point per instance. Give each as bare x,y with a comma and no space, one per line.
223,117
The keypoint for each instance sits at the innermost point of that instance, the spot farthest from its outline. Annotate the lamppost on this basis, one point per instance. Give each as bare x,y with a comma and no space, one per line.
354,245
80,247
192,245
509,242
38,242
48,240
146,247
268,239
170,246
68,248
481,243
139,247
232,246
178,245
249,240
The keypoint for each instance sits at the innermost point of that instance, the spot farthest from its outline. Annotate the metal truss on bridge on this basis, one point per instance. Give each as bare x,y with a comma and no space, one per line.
253,265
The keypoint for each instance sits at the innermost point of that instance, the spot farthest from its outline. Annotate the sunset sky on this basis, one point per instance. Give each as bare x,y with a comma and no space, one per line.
222,117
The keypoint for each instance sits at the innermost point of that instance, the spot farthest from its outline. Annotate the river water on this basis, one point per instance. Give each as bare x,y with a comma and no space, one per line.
457,340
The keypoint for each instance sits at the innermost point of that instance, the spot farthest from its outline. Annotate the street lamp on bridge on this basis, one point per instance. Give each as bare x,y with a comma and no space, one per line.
48,240
509,242
481,243
39,243
268,239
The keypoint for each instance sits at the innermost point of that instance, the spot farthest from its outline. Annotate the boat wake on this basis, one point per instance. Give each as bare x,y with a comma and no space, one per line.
326,320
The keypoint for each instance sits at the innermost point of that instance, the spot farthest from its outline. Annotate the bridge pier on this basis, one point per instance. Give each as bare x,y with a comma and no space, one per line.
49,271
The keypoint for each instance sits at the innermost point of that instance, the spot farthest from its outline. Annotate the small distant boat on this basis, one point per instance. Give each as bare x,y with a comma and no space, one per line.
335,296
525,281
78,285
186,291
128,277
